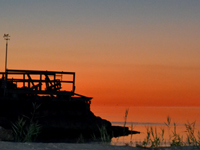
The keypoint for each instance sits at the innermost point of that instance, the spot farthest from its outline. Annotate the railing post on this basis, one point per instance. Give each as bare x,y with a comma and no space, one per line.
40,86
23,79
29,84
73,82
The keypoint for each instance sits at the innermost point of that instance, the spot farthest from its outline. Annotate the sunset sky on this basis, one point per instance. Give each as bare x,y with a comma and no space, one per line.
124,52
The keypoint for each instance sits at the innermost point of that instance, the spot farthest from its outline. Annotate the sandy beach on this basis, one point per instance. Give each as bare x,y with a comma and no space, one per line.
74,146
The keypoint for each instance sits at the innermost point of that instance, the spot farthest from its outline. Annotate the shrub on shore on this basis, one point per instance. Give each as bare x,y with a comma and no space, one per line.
154,139
25,129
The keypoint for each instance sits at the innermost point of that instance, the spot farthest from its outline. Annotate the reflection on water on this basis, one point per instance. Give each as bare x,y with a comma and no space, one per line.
142,117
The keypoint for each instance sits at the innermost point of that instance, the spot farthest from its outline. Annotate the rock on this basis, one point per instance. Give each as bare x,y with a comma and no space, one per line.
60,121
122,131
6,135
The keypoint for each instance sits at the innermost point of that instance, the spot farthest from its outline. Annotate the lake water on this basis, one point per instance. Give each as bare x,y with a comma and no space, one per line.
139,118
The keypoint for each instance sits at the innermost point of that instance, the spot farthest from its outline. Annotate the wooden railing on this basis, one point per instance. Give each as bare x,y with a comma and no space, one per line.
39,82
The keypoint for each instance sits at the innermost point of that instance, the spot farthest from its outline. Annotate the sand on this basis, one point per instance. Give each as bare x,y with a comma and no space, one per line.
74,146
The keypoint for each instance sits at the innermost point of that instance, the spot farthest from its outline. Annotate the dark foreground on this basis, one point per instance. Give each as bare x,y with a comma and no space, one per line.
34,102
66,146
60,120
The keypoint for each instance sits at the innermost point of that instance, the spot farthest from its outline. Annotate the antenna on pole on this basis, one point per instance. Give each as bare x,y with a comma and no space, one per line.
6,37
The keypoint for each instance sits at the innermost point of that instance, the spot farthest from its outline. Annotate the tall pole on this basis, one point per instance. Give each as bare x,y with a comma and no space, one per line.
6,37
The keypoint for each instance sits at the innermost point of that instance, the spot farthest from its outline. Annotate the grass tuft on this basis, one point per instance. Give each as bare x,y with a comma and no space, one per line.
25,129
153,139
104,136
125,119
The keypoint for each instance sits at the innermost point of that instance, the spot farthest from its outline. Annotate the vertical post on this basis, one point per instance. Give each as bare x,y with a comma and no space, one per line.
73,82
54,85
23,79
40,87
6,37
6,55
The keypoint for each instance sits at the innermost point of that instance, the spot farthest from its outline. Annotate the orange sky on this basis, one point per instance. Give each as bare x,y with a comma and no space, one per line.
145,86
138,53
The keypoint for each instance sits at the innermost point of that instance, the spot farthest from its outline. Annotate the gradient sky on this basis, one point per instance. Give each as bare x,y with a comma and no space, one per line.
124,52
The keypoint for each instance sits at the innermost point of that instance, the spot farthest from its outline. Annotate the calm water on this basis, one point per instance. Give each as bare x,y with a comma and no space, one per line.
142,117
